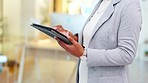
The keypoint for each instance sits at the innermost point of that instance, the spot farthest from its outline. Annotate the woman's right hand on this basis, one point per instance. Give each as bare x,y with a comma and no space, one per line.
60,29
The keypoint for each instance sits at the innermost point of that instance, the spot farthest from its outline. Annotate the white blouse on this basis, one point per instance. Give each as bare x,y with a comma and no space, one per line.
83,69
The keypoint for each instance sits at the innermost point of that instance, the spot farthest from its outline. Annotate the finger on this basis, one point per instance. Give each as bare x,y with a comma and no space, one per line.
57,39
71,39
61,43
67,34
57,27
65,46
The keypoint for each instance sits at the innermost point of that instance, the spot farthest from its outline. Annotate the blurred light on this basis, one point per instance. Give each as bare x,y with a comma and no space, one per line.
86,7
73,8
3,59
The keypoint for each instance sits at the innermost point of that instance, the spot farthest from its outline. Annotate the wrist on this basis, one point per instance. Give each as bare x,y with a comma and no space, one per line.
83,56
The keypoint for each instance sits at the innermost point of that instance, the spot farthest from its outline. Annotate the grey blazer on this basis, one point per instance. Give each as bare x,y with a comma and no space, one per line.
113,43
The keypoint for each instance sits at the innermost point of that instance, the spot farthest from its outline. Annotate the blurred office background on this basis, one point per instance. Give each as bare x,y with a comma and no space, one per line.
32,57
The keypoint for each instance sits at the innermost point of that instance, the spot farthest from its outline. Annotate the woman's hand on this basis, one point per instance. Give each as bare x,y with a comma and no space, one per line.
64,31
75,49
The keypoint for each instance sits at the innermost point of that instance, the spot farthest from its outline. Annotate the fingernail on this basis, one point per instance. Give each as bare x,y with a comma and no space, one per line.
67,34
54,37
55,27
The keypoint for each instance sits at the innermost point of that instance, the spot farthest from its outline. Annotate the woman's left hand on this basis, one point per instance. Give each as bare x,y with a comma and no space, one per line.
75,49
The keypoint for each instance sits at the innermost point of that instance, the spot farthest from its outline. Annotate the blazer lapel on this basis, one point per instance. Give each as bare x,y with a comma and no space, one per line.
88,19
92,13
107,14
102,20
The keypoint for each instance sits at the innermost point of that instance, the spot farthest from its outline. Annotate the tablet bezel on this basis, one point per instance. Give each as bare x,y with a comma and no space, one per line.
52,32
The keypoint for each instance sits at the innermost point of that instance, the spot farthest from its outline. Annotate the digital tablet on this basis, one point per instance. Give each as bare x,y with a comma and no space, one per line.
51,32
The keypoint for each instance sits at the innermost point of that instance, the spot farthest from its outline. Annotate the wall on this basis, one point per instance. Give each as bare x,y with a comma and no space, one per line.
12,17
17,16
60,6
1,8
144,32
1,25
27,14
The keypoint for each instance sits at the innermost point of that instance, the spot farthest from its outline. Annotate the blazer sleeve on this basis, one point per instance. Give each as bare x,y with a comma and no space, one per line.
128,37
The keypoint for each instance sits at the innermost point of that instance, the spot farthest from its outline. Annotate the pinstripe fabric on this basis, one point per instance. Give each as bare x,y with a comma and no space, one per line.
113,42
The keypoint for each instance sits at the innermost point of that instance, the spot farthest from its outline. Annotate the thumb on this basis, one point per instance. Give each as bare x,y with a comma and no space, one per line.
71,39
